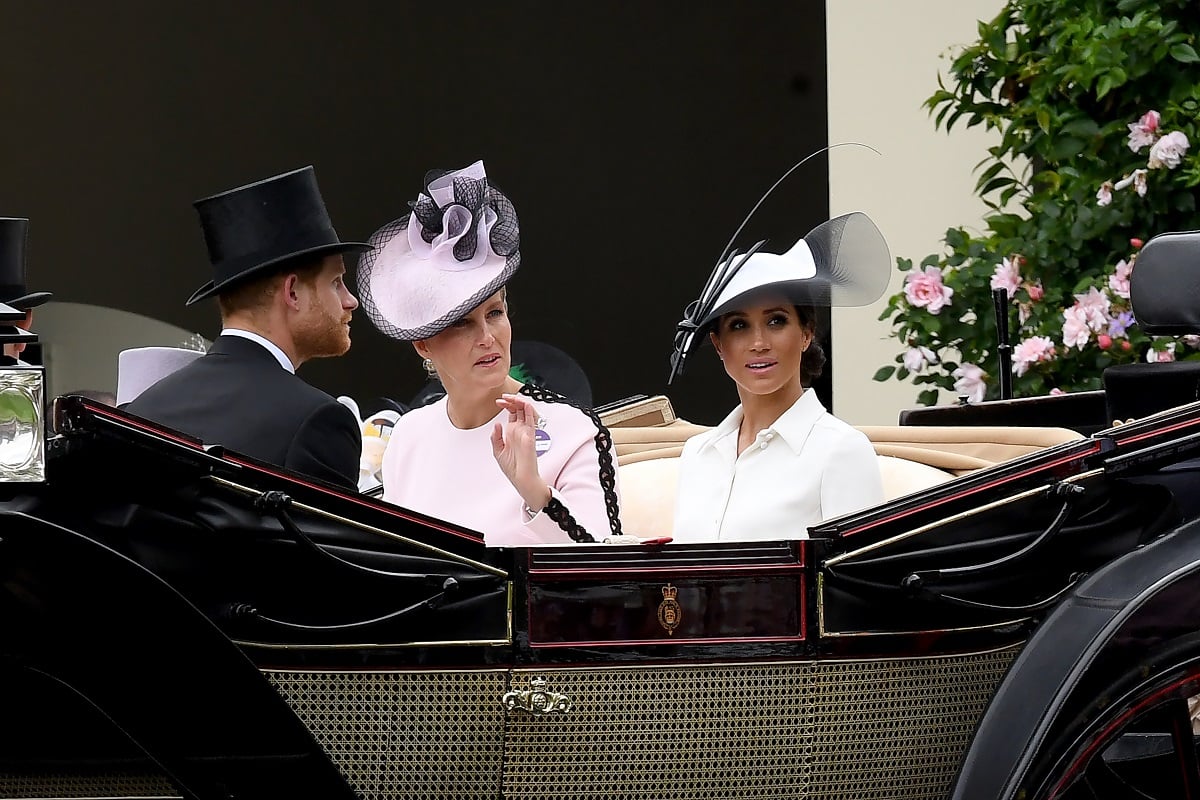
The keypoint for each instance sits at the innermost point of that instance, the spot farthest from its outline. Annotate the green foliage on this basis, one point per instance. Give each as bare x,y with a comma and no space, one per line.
1061,81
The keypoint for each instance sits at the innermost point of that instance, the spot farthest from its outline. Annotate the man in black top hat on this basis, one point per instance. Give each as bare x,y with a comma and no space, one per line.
279,280
13,292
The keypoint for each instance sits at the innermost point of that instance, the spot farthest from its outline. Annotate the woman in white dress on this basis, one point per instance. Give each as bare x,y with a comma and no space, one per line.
779,463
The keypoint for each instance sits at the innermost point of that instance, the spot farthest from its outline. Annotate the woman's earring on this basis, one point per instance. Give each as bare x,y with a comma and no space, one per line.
430,369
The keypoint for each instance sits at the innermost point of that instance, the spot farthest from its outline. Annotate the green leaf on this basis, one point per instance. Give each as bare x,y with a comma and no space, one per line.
929,397
1104,85
1184,53
1081,127
1065,146
996,183
883,373
902,373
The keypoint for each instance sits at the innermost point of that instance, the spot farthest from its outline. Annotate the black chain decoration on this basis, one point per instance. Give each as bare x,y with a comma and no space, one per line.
556,511
608,473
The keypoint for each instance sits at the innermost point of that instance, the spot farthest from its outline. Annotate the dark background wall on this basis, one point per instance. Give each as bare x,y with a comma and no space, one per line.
632,139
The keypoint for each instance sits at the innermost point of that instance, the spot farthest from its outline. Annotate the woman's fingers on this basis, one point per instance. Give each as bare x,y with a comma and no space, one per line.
497,439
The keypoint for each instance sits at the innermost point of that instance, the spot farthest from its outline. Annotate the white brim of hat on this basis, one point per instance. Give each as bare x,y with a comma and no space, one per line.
418,298
761,273
141,367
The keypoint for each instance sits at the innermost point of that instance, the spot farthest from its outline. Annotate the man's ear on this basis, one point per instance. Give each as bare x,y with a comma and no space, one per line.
288,290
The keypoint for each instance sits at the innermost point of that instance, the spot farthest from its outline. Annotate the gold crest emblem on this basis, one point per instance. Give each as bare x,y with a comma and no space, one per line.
669,612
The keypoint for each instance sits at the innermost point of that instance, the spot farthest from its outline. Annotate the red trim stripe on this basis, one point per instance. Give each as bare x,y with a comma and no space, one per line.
1095,448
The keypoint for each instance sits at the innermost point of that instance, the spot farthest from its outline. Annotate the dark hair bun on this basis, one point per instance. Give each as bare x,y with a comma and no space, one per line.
812,363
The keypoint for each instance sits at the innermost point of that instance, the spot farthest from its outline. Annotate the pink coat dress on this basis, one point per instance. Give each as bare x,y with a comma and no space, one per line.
437,469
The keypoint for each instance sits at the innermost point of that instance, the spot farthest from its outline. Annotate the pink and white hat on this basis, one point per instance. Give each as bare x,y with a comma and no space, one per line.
429,269
140,368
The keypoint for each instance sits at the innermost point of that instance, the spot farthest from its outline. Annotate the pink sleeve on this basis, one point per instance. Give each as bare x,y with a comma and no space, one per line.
579,487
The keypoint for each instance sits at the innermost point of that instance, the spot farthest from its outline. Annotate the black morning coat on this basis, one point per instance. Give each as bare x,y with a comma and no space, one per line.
239,396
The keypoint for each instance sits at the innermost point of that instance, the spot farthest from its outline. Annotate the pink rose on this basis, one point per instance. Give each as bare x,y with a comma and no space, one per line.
1161,356
1104,196
1076,331
917,358
1104,340
1168,151
1141,133
970,380
926,290
1095,305
1136,243
1036,292
1139,182
1055,392
1118,282
1007,276
1031,351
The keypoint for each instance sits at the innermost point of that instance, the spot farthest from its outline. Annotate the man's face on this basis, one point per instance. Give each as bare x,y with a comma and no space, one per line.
322,326
15,350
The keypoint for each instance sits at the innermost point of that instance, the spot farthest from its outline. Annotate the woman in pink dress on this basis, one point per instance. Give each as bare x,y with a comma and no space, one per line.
517,463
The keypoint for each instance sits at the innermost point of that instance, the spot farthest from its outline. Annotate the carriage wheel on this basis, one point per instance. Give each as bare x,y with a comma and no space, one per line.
1138,740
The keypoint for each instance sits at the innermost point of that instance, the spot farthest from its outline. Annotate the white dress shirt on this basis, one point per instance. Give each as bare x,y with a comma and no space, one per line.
806,467
271,347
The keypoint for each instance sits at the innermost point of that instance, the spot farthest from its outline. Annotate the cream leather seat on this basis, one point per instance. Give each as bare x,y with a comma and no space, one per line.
911,459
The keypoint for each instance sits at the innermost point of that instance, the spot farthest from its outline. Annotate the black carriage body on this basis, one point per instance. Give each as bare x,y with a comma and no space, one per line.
184,622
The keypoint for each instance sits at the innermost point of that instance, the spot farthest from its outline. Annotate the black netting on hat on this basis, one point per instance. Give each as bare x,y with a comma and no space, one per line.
366,263
475,197
852,258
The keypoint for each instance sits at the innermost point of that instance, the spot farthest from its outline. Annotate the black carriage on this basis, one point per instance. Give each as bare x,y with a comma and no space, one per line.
179,621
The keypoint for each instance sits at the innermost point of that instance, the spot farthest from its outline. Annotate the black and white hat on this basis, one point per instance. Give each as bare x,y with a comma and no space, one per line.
843,262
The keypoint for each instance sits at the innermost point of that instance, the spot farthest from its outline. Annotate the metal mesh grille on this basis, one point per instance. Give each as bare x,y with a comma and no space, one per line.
865,729
419,735
897,729
684,732
114,784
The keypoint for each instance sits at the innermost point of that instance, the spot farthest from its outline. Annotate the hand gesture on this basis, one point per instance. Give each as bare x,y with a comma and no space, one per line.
513,446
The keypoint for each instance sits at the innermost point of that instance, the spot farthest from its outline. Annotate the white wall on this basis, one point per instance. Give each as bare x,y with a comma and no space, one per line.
883,59
81,343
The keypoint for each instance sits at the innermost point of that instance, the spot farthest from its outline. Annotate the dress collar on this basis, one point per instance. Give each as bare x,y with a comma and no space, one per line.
793,425
270,346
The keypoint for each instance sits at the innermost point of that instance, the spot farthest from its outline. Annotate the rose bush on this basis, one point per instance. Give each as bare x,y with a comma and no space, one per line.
1097,103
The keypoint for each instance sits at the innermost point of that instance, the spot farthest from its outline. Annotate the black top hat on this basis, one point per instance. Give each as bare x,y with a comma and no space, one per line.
265,224
13,292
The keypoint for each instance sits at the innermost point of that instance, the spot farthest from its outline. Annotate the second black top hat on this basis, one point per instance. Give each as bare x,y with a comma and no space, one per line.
13,292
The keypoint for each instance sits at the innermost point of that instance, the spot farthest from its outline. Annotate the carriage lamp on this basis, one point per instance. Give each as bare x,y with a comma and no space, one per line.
22,398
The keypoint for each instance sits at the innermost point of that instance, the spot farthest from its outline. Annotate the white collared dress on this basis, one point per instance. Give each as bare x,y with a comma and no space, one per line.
807,467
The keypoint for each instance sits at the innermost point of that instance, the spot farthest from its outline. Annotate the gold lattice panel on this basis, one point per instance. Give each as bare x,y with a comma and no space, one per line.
419,735
83,784
897,729
865,729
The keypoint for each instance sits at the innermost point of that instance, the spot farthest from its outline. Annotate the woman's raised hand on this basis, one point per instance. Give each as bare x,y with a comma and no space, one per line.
513,446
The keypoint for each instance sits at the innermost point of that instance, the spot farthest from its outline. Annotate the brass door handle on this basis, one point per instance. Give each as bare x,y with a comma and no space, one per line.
535,700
